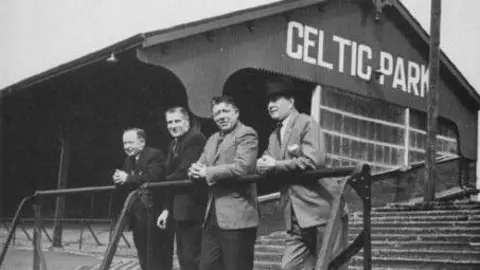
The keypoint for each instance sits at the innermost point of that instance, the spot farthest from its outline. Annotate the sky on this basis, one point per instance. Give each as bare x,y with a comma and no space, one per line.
40,34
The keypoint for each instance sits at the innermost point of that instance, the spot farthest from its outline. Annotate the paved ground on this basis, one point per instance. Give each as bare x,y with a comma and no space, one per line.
80,249
18,259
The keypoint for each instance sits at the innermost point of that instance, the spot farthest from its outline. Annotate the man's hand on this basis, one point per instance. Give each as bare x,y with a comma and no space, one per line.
162,220
265,164
119,177
197,171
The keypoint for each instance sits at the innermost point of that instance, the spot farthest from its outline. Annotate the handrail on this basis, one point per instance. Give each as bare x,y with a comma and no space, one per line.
324,172
16,219
360,180
388,174
112,245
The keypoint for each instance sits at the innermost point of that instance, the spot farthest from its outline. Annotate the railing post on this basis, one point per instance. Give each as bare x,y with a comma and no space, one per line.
38,257
112,245
406,155
363,186
13,227
360,180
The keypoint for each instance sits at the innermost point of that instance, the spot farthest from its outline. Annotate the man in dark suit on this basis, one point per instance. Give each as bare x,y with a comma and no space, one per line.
231,219
188,205
145,164
297,145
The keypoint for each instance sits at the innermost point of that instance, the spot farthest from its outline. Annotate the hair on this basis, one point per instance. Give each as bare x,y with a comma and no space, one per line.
224,99
140,133
179,109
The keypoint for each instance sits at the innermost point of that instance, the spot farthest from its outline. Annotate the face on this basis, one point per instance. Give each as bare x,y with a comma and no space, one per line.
177,124
225,116
280,107
132,145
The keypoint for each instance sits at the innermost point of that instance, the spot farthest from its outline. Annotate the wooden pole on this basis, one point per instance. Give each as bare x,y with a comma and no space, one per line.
1,157
432,107
62,183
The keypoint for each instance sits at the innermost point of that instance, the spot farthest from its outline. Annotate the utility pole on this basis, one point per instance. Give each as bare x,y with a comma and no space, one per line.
65,139
432,103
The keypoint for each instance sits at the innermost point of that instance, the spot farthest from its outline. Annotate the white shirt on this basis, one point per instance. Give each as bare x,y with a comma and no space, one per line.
284,127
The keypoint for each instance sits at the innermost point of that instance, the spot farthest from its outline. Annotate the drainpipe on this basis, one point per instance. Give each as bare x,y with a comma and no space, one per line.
476,198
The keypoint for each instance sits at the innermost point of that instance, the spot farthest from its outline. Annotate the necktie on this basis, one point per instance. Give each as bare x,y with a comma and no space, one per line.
174,147
219,141
279,132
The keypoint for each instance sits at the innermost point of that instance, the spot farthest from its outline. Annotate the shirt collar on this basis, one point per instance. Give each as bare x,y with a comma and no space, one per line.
285,121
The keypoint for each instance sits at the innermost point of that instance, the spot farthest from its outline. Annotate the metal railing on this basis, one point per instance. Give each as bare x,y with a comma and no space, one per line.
358,177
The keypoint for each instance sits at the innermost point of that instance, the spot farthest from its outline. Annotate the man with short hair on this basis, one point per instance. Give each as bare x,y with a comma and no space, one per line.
231,219
145,164
297,145
188,204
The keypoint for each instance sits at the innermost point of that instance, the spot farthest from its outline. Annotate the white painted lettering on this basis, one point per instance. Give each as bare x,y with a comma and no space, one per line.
342,42
364,50
321,62
314,46
353,67
386,66
413,74
424,84
297,29
399,75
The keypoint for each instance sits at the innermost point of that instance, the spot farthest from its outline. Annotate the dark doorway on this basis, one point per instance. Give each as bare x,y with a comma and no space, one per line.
247,87
93,105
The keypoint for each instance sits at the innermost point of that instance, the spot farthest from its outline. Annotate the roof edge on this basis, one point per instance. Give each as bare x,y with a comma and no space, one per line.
87,59
225,20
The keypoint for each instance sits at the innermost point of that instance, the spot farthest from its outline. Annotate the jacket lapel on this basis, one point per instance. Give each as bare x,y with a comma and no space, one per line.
169,161
137,164
288,132
222,143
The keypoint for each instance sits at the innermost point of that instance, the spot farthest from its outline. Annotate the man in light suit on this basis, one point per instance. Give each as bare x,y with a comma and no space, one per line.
294,146
188,204
145,164
231,219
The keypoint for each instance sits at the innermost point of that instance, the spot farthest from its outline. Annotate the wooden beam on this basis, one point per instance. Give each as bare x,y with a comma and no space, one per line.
1,157
62,183
432,105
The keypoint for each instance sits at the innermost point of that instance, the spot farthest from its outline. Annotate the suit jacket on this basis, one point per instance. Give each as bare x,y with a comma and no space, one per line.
226,156
150,167
312,200
190,203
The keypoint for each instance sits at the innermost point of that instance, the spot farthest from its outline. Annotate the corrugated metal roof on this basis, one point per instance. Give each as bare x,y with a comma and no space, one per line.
214,23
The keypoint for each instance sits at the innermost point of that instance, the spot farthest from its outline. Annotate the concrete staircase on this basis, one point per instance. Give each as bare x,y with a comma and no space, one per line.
443,235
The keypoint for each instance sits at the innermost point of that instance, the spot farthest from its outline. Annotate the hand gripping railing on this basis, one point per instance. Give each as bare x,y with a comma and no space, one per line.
360,180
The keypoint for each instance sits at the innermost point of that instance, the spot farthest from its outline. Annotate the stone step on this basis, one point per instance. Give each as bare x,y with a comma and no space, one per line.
461,217
279,239
398,262
424,213
271,265
378,245
454,255
463,237
268,256
413,207
423,230
417,224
